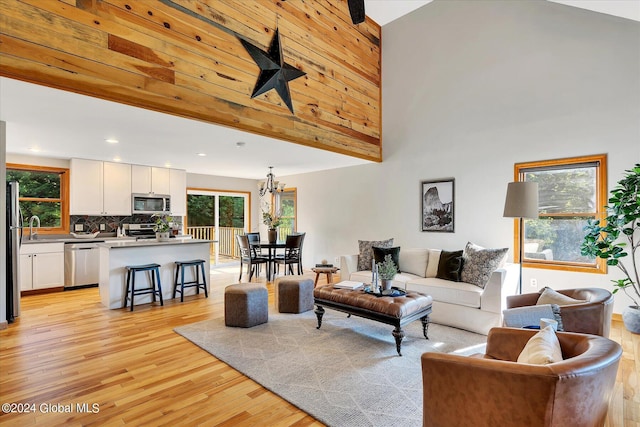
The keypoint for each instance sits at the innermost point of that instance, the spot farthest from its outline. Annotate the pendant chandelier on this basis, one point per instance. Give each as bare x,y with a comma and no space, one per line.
270,185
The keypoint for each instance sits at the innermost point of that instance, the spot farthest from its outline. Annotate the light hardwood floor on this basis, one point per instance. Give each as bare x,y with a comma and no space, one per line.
68,350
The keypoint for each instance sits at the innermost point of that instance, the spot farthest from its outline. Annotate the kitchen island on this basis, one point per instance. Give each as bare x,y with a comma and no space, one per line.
115,256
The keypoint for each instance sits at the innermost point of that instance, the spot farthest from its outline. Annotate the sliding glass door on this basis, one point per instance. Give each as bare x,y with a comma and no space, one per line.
219,216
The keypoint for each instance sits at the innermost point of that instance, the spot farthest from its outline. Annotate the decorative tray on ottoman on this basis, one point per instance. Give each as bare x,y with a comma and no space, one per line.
393,292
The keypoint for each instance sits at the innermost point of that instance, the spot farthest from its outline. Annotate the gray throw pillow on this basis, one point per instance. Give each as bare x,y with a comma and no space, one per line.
479,263
365,257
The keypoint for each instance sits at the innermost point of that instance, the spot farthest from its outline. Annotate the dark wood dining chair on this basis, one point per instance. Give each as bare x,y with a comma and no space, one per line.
292,253
254,242
248,256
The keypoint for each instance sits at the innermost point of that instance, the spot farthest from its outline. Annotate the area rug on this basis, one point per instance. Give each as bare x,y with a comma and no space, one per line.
347,373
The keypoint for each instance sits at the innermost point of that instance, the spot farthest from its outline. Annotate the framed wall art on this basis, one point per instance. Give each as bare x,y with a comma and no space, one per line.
438,205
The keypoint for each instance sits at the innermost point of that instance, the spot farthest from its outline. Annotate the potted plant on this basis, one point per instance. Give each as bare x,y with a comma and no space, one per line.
162,226
606,240
272,221
386,272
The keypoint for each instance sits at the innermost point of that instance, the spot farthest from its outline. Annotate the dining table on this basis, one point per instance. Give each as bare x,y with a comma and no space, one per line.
271,255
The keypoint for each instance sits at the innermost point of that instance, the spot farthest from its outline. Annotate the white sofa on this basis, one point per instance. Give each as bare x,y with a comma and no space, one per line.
458,304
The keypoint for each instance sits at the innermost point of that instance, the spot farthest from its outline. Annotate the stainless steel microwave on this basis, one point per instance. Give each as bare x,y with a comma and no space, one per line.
150,203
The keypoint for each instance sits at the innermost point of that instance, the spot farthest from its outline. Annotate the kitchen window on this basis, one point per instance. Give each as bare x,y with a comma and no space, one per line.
570,192
44,191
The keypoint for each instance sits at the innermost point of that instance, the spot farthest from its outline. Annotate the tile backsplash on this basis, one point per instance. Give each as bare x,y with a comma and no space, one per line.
92,223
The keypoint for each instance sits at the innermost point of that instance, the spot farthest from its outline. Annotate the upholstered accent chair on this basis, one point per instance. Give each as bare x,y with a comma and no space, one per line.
495,390
590,317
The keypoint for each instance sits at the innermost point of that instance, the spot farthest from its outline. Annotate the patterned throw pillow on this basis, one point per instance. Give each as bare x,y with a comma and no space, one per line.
365,256
478,263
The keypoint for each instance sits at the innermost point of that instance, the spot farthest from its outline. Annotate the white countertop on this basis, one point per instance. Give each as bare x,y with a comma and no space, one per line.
71,239
150,242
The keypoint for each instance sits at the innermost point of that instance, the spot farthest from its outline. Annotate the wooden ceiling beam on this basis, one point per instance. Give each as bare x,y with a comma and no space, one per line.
184,57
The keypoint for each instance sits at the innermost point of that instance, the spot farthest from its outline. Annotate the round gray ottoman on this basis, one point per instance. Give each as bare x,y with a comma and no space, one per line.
246,305
294,295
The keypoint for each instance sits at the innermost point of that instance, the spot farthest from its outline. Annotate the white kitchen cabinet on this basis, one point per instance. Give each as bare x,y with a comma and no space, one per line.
86,189
100,188
148,179
178,183
117,189
41,266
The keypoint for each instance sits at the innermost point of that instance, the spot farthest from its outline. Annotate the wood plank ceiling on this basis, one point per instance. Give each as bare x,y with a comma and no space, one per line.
184,57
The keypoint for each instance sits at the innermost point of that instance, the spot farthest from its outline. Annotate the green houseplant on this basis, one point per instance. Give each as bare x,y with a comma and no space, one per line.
386,271
162,226
617,237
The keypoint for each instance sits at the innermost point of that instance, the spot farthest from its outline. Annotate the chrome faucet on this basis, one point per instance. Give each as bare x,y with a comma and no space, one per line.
33,233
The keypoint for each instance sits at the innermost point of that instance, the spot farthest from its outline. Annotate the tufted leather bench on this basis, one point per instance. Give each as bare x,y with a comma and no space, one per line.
395,311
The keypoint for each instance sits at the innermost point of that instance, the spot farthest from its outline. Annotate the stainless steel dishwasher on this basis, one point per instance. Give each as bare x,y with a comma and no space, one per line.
81,264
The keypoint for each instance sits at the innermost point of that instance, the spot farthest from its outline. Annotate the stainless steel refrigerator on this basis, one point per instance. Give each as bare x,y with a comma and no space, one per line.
14,240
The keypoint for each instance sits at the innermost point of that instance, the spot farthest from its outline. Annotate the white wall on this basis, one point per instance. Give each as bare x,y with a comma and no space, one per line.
469,89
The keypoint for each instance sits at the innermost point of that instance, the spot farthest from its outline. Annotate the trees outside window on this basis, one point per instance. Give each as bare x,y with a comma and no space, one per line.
571,192
286,207
44,191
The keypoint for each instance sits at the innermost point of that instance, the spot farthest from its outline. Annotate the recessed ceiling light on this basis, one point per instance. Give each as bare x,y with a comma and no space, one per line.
117,159
34,149
112,141
167,165
201,154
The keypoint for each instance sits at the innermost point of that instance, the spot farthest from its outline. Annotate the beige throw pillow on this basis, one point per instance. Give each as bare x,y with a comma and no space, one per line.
434,260
549,296
542,348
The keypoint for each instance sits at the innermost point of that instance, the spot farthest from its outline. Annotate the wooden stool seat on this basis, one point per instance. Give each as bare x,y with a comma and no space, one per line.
329,271
199,268
154,279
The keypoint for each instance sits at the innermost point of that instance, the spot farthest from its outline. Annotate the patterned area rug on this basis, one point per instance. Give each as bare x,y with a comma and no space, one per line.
347,373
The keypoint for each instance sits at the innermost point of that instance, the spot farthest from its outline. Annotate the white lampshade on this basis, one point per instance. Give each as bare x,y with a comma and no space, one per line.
522,200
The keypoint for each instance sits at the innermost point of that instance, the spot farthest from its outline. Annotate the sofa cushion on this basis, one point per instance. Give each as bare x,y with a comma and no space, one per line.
414,261
542,348
458,293
450,265
379,255
549,296
365,257
432,262
478,263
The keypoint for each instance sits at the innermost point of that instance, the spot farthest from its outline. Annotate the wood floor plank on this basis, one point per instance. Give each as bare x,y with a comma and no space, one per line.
66,348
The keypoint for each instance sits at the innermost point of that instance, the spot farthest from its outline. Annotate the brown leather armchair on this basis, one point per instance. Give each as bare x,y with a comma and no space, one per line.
592,317
494,390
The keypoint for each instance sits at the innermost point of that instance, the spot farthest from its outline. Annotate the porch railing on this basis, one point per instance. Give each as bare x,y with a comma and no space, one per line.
226,238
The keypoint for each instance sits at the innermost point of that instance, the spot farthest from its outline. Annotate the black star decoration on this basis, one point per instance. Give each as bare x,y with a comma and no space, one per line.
274,72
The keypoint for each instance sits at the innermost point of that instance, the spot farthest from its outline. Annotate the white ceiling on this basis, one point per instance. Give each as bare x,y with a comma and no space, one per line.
63,124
